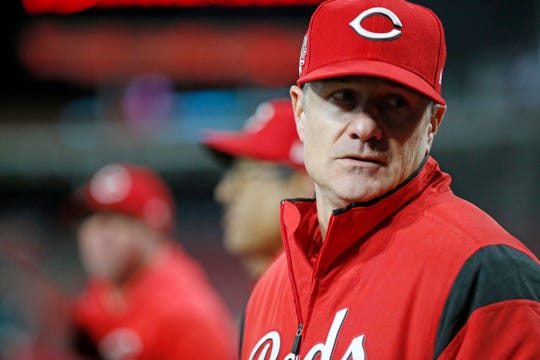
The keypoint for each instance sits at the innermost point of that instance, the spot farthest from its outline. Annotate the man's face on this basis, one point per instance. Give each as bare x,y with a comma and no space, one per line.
109,245
362,136
250,193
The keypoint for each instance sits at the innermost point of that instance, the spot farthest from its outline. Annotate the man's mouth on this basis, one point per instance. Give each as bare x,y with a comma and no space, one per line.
371,159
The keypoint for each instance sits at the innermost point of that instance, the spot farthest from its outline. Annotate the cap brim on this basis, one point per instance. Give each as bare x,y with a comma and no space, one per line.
229,143
374,68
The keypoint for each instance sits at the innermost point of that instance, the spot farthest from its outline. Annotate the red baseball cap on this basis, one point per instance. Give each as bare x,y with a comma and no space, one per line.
391,39
132,190
268,135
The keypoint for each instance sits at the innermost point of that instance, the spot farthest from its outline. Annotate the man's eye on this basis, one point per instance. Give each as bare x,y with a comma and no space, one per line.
344,96
396,101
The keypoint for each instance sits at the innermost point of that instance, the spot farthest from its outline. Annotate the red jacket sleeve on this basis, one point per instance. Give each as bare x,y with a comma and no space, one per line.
501,331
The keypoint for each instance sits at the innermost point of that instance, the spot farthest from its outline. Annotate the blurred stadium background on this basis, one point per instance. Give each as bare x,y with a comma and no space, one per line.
139,84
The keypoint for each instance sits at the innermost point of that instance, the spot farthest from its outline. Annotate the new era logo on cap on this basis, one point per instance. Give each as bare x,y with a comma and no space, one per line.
391,39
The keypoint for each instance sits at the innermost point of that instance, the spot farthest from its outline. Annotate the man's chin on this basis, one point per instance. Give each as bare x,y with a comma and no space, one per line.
361,195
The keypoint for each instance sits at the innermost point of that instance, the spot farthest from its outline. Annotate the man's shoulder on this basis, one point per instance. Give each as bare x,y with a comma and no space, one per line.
276,271
463,224
273,281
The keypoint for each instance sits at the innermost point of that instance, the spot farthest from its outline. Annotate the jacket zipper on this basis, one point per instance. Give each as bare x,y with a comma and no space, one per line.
296,297
297,339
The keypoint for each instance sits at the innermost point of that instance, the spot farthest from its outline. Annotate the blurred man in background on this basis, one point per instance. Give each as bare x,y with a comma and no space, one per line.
145,298
264,165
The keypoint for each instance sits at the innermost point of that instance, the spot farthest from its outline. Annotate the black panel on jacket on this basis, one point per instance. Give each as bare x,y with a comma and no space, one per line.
493,274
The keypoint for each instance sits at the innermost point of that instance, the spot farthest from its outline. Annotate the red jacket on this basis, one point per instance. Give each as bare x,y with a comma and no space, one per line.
170,312
417,274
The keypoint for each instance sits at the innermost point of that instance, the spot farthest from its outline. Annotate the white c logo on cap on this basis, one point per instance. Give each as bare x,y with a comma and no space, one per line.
356,24
111,184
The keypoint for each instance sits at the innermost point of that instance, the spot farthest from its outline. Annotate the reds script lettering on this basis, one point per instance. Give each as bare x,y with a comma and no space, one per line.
267,348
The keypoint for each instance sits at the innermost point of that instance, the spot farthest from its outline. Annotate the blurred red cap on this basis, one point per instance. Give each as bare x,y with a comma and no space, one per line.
268,135
132,190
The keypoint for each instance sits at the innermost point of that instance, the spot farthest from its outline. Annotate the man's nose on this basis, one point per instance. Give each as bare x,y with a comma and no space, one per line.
364,126
221,191
225,189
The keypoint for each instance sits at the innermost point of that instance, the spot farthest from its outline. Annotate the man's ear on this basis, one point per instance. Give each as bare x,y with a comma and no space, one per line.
297,95
435,121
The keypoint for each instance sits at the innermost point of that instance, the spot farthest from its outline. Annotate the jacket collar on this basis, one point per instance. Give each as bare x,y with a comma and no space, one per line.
347,225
